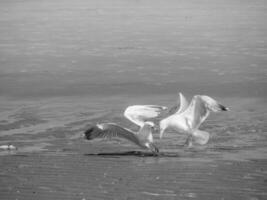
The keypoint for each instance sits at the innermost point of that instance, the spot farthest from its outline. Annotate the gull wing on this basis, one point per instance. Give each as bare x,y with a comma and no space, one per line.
139,114
199,109
183,105
108,130
196,113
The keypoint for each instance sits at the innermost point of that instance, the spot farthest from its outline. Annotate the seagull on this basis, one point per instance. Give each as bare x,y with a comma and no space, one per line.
139,115
143,138
189,118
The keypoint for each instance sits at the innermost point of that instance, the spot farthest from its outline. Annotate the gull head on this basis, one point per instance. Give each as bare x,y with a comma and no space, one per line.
212,104
150,125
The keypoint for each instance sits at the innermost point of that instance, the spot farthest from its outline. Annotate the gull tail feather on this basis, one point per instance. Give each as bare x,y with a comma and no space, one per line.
201,137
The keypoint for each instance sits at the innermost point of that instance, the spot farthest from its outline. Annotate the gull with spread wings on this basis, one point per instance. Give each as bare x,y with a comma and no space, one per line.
136,114
189,119
143,138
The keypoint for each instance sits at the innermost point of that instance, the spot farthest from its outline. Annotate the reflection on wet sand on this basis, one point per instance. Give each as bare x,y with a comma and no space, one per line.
135,153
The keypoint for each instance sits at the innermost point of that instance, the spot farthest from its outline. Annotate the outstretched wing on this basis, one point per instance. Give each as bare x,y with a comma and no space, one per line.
196,113
199,109
108,130
139,114
183,105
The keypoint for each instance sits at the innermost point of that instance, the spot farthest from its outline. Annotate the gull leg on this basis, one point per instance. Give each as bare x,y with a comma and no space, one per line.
154,149
161,132
189,141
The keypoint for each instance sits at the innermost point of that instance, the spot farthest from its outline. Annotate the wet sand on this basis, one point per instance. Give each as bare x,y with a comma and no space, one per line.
57,163
58,175
65,65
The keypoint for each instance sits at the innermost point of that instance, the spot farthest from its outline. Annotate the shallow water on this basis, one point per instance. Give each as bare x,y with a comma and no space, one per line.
66,65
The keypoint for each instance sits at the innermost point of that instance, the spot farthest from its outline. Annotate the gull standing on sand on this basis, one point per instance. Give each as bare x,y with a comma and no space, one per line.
143,138
190,118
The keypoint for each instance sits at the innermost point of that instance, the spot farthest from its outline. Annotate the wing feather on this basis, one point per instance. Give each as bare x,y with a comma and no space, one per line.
199,109
196,112
201,137
139,114
108,130
183,103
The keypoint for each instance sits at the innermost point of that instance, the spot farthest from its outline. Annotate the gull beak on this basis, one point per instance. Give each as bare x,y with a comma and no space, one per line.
223,108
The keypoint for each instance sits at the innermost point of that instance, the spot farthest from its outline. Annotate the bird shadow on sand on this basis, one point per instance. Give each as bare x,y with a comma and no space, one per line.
135,153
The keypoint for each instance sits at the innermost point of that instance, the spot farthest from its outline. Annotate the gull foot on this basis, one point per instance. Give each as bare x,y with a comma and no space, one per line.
188,143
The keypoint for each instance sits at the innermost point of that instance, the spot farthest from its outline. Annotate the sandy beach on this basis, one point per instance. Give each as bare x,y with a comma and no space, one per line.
65,65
